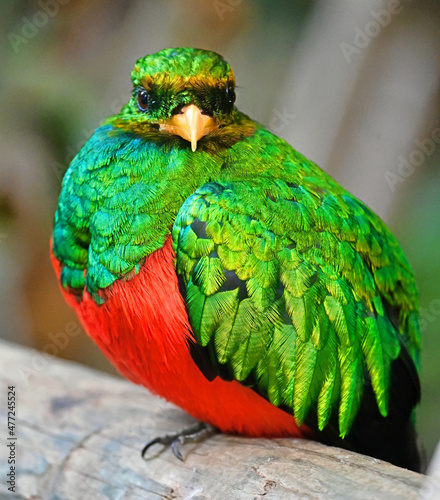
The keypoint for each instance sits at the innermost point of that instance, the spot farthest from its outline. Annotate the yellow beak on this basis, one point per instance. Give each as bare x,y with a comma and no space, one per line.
190,124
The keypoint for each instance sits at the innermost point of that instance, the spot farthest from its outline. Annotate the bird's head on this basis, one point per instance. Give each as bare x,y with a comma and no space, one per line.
186,93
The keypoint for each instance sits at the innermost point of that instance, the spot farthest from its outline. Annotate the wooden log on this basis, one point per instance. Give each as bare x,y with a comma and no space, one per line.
80,433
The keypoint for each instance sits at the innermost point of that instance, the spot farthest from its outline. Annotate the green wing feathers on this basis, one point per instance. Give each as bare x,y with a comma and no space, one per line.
301,293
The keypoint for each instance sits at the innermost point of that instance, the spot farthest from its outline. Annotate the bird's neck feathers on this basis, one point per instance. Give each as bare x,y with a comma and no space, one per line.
229,133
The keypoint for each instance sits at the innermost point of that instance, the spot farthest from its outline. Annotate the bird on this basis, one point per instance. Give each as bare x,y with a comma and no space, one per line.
224,271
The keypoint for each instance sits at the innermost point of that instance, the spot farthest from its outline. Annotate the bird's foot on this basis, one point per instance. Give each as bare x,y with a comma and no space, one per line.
192,434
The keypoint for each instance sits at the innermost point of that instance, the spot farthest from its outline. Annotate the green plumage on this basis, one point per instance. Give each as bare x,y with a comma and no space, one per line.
306,326
292,285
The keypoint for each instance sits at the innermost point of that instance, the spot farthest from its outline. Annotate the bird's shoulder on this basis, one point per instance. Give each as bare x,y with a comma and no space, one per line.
106,220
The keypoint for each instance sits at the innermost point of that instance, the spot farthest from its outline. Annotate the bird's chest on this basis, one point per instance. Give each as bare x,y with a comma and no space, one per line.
143,325
143,329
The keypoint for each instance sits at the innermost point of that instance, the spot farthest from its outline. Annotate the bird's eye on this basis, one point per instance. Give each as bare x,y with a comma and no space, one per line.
143,99
230,92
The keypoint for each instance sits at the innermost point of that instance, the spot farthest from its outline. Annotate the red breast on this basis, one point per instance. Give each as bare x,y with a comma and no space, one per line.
143,328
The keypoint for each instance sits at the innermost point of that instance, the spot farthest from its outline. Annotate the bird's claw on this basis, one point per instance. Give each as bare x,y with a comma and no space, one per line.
178,439
175,447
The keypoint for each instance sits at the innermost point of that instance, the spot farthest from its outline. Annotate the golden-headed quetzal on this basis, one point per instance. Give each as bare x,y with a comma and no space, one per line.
224,271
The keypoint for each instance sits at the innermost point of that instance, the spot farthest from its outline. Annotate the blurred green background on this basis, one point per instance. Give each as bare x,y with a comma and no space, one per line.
355,86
